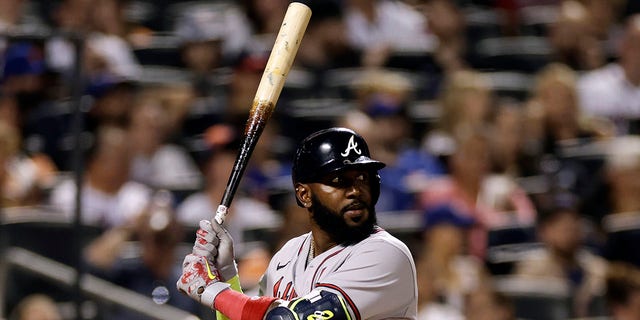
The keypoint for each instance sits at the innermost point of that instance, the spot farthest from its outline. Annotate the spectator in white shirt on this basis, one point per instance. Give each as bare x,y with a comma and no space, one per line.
613,91
109,198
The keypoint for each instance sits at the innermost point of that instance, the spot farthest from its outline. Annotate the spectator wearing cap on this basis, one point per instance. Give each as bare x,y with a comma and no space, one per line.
564,256
447,274
23,70
382,97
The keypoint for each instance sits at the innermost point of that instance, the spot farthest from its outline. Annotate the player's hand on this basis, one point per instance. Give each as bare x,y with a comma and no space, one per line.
200,280
215,243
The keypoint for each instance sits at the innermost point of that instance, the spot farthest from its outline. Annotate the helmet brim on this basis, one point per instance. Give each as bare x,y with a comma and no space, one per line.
362,163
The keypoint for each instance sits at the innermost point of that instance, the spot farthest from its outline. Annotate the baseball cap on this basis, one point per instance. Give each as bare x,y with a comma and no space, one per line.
22,58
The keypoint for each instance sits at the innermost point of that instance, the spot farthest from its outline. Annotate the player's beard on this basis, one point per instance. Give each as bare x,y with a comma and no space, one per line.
333,223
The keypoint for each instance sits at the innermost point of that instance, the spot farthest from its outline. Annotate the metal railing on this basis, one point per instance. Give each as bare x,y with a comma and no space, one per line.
90,285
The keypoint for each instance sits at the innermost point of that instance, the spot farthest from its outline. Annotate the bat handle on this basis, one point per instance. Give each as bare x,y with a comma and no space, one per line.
221,213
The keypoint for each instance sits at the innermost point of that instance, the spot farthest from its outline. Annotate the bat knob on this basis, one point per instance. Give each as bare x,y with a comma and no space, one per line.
221,213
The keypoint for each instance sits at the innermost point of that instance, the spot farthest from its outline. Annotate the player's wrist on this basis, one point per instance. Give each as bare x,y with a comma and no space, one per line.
210,293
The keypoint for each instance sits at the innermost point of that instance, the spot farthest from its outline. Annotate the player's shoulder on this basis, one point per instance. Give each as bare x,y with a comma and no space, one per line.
383,241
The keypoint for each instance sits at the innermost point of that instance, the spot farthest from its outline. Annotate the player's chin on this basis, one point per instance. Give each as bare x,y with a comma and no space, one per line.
355,218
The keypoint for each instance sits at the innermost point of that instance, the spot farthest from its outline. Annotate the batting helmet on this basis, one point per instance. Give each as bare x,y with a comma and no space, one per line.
330,150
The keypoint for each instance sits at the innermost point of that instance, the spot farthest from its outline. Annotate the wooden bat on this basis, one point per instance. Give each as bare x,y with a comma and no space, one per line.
280,60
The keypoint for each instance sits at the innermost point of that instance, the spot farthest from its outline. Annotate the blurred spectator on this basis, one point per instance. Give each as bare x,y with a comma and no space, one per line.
383,96
49,128
446,273
109,197
108,50
572,41
555,125
24,178
103,26
446,21
612,91
265,18
149,129
246,212
325,44
564,256
157,263
486,304
623,174
252,265
383,26
507,135
267,174
113,97
36,307
604,16
11,13
211,36
466,102
67,16
247,72
622,171
23,77
623,292
462,189
554,111
510,10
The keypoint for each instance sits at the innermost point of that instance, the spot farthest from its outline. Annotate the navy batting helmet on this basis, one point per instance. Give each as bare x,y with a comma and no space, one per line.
330,150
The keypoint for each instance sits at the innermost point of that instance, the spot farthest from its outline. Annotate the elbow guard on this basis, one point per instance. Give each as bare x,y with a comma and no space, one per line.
317,305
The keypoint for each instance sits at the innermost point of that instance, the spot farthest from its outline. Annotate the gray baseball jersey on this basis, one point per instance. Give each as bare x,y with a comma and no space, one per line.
376,277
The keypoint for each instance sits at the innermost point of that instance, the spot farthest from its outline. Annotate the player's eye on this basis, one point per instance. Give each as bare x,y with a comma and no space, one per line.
336,180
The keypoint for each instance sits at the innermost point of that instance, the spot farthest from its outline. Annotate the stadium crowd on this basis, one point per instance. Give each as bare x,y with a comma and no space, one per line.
510,130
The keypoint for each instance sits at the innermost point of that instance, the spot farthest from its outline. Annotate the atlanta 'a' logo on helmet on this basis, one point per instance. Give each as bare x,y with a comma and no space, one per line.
352,145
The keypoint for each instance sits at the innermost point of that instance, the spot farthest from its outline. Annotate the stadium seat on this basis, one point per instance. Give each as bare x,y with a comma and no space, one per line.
524,53
623,235
536,299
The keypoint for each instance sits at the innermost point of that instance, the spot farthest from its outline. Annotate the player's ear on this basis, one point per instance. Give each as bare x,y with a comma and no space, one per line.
303,194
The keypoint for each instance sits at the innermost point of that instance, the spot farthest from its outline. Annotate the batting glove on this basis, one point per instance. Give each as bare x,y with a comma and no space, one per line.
214,243
200,280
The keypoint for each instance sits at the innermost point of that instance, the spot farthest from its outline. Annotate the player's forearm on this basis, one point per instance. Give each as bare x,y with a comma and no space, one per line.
238,306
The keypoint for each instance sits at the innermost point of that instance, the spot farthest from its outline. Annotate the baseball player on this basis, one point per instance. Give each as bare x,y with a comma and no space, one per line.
345,268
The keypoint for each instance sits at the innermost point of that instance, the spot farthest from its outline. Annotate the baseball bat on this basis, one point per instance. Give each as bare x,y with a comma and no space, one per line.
278,65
